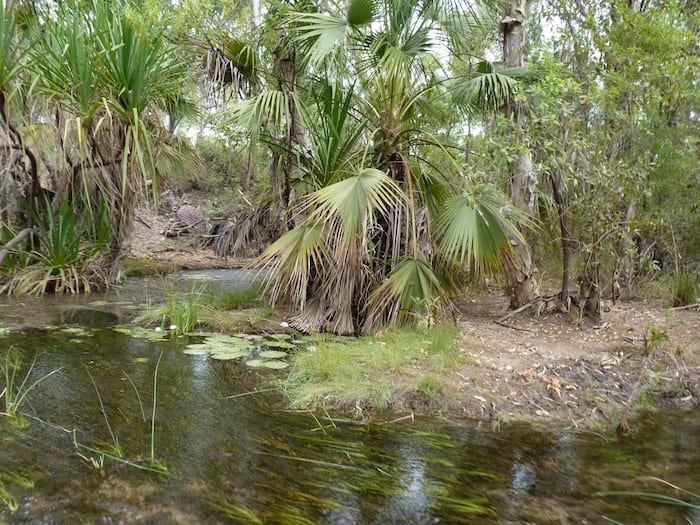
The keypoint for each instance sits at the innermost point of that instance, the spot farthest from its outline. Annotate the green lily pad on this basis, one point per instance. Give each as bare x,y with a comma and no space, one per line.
196,351
277,344
228,355
255,362
272,354
275,364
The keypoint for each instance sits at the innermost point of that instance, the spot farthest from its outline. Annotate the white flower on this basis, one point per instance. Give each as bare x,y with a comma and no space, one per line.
173,327
284,324
157,328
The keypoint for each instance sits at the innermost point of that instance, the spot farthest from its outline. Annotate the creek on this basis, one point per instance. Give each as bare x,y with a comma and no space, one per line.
233,456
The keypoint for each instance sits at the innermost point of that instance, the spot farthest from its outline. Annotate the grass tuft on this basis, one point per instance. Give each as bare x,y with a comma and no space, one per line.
350,373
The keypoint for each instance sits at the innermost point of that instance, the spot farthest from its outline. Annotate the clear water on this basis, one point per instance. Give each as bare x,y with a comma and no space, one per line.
245,459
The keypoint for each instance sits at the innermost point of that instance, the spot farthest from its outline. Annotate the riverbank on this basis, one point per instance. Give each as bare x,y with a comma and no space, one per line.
542,369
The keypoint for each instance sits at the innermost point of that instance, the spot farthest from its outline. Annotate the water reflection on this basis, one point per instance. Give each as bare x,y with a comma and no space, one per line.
242,459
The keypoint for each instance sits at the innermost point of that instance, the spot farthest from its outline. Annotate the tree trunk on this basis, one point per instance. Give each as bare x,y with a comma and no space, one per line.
560,200
522,285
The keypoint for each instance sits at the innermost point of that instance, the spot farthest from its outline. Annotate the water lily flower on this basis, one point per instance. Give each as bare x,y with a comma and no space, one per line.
284,324
157,328
173,327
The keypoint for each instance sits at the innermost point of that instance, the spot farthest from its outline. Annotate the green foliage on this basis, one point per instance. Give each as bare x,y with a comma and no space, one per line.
686,290
237,299
66,243
349,372
15,394
181,310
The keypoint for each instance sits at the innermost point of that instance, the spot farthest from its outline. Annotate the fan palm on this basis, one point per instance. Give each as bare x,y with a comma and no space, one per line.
384,232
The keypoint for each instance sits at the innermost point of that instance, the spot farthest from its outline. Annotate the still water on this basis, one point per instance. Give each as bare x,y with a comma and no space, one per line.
236,457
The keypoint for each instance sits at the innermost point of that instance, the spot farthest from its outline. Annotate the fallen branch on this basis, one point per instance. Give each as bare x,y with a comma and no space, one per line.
14,242
499,322
686,307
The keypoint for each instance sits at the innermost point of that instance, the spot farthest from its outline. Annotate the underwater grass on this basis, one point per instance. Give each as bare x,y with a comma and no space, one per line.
114,450
16,395
655,497
351,373
8,500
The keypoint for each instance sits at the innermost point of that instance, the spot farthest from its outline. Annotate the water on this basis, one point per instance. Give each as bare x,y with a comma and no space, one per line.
245,459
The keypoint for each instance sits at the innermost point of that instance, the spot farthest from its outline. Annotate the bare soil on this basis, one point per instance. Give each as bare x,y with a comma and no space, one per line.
550,367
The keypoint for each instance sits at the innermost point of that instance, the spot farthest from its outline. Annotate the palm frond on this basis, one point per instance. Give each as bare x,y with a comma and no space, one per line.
355,200
292,260
474,231
319,33
411,289
13,48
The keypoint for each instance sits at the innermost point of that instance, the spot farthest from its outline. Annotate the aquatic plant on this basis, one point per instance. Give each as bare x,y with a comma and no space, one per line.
257,350
15,395
115,447
8,500
114,450
693,501
180,311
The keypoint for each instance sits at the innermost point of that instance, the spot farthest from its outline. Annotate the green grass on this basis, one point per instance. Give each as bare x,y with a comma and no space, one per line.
181,310
380,372
238,299
686,289
15,392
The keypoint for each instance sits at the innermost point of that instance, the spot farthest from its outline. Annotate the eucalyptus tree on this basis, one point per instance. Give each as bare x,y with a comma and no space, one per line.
383,235
615,130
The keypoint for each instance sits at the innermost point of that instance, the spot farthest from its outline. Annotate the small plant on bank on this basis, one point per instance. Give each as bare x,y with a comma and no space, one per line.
180,311
14,394
66,245
686,290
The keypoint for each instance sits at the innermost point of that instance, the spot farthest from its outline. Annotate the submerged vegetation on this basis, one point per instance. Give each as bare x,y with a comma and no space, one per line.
14,392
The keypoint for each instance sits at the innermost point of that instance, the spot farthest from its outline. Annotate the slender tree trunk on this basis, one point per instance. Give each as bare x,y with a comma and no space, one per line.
556,179
522,284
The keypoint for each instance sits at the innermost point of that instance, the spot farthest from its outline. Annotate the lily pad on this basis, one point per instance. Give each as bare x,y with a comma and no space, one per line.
280,337
277,344
228,355
272,354
195,351
255,362
275,364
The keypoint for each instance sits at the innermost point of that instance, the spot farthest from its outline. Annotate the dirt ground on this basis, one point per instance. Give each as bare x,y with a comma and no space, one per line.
536,368
551,367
